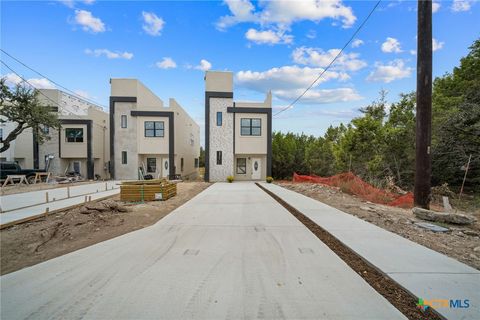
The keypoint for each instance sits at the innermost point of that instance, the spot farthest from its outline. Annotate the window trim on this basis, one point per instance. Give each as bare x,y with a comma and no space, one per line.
155,129
75,139
122,124
219,158
238,167
219,113
250,127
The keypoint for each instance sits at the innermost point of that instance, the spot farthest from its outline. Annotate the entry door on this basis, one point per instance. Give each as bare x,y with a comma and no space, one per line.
256,168
165,168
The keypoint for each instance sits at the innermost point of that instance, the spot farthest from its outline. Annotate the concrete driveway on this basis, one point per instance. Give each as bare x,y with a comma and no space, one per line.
232,252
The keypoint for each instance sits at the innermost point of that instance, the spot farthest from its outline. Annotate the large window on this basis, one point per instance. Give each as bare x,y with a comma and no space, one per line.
219,119
123,121
219,157
241,165
250,127
124,157
154,129
151,164
74,134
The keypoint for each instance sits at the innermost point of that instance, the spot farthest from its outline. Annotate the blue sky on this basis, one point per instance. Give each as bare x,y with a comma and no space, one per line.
269,45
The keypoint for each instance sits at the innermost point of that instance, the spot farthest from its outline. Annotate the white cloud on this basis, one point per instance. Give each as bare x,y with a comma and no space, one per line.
88,21
312,34
38,83
283,78
435,6
394,70
319,96
413,52
461,5
68,3
286,12
153,25
357,43
319,58
166,63
88,1
268,37
204,65
109,54
437,45
391,45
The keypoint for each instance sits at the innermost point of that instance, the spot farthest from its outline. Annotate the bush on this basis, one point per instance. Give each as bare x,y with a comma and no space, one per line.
269,179
230,179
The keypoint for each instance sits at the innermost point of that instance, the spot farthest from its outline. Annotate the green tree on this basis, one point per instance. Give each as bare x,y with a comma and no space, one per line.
21,106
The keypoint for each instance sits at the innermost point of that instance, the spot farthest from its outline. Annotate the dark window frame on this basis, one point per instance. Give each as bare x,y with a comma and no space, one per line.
73,139
196,163
157,126
219,158
123,124
124,157
154,165
240,167
181,164
219,119
250,127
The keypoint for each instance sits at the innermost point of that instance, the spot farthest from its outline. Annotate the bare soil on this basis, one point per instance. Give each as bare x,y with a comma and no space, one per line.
394,293
33,242
460,242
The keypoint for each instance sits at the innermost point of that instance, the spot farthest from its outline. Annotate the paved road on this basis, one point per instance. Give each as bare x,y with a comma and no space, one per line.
232,252
23,205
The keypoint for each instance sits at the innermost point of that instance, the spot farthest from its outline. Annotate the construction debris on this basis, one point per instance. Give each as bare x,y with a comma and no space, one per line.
147,190
431,227
108,205
454,218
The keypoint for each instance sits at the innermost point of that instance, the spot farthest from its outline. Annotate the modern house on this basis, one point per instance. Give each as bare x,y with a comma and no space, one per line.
238,135
80,146
147,137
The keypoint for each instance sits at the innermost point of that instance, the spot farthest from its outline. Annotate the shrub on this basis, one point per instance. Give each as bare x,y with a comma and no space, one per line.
269,179
230,179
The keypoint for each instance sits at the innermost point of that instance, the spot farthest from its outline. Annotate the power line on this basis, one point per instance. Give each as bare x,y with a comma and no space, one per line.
39,91
331,63
55,83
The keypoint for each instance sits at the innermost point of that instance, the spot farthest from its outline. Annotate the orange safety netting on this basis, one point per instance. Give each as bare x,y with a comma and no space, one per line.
350,183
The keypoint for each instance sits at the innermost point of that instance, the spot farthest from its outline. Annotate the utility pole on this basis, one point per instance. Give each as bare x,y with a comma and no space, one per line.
423,165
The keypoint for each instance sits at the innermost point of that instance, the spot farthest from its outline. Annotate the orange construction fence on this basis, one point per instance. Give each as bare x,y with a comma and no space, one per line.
352,184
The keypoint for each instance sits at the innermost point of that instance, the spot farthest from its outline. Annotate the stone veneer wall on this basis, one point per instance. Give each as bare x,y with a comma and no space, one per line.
221,139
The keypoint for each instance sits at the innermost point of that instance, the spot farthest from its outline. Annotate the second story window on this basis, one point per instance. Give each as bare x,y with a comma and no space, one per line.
154,129
250,127
219,157
219,119
74,134
123,121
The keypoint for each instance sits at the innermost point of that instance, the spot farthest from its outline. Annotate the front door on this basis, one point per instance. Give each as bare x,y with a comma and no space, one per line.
256,168
165,168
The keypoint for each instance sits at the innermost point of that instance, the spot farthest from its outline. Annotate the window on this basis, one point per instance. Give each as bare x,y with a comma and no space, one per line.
74,134
154,129
124,157
250,127
1,134
219,157
76,167
196,163
45,129
151,164
241,165
123,121
219,119
181,164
